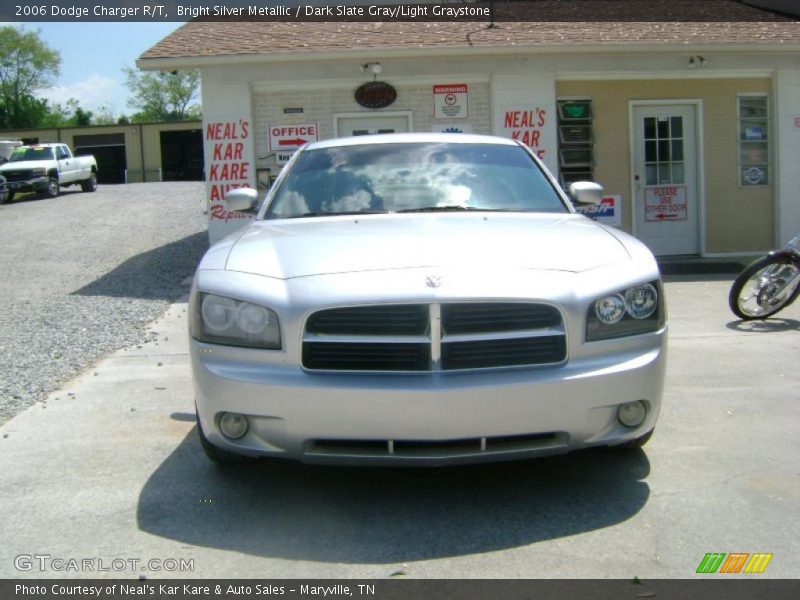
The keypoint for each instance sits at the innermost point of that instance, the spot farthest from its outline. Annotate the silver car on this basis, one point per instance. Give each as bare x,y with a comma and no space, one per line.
424,299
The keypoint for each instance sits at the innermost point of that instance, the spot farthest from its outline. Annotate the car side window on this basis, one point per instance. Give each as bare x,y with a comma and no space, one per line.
62,153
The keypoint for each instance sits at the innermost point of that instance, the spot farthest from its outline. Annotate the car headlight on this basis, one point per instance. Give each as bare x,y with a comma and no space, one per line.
636,310
221,320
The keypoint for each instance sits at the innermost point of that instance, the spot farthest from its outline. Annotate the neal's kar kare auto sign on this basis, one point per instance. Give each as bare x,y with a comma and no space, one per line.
228,145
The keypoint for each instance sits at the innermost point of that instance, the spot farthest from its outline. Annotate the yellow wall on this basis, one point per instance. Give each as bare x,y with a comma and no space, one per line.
737,219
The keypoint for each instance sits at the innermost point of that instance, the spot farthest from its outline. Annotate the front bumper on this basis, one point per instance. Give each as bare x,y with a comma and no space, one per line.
428,418
38,185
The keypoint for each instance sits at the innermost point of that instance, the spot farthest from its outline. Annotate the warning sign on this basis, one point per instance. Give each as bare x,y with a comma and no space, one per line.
450,101
665,203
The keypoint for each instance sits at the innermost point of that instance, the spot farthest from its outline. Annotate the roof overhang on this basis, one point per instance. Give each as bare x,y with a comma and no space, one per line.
199,62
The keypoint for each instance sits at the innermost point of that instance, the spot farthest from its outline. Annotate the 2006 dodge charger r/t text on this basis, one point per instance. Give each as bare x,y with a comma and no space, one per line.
424,299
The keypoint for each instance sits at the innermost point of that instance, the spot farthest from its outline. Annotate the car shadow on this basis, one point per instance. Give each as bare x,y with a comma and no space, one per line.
770,325
155,274
282,509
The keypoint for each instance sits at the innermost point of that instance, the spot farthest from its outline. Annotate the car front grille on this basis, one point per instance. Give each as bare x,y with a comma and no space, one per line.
434,337
19,175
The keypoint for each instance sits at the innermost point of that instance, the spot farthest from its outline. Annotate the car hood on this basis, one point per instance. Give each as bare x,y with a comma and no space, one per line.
20,165
323,245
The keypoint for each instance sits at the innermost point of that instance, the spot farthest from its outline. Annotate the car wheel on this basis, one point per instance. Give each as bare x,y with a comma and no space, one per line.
89,185
216,454
638,442
52,188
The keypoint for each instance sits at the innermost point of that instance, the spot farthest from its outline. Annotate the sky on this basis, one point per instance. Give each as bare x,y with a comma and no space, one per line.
93,56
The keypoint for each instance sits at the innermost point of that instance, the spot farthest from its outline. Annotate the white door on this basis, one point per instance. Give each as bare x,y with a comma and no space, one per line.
666,198
370,125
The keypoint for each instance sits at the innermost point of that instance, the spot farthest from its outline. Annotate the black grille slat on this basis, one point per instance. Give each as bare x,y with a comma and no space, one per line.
17,175
351,356
473,335
402,319
497,317
503,353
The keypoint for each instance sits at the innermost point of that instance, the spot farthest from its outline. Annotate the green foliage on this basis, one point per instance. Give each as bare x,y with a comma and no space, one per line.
27,65
163,96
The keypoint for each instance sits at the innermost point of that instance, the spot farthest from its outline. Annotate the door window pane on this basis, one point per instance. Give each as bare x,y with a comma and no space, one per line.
663,153
649,128
676,127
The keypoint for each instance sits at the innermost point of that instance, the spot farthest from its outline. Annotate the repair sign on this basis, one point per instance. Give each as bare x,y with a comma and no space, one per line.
665,203
291,137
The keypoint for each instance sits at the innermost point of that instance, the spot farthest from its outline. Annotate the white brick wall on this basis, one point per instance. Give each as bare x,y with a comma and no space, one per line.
320,106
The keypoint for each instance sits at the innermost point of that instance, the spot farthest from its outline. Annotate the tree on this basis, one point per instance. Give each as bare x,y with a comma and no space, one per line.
27,65
162,95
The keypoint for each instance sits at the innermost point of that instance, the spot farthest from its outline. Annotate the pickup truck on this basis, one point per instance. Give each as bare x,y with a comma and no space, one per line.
45,168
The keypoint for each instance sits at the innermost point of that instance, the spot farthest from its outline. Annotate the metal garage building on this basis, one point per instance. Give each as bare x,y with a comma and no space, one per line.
134,152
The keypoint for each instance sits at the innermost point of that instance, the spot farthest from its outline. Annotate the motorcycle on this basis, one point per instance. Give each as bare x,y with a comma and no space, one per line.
767,285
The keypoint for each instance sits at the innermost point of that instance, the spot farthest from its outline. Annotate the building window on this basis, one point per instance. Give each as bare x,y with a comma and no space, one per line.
575,141
753,140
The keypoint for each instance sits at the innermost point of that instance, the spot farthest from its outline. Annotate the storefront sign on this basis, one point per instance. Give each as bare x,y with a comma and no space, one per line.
229,145
754,176
526,125
290,137
608,211
375,94
450,101
665,203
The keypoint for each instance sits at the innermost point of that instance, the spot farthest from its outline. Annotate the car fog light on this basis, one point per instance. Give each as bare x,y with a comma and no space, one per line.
233,426
632,414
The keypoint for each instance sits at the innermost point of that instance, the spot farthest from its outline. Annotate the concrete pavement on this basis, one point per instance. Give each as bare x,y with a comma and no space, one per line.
109,469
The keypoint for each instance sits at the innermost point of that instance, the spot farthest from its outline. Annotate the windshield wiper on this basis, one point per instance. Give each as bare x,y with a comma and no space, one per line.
333,214
457,208
443,208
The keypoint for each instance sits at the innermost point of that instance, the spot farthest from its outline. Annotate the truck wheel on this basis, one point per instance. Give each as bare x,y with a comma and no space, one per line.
89,185
52,188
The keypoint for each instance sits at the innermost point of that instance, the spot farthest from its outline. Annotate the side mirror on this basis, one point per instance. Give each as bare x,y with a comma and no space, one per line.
586,192
241,199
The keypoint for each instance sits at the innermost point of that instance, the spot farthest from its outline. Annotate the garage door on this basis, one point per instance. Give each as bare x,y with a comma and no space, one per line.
108,150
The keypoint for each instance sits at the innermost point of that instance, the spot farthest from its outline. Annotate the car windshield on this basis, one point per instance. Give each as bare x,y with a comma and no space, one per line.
33,153
413,177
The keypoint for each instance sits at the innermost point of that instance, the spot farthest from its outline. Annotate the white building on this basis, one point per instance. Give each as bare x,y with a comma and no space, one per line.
692,127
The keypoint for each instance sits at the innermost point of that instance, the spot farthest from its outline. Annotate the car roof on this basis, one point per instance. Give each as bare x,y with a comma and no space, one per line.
411,138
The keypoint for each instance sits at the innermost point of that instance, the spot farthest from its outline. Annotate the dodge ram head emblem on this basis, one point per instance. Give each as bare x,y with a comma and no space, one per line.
433,281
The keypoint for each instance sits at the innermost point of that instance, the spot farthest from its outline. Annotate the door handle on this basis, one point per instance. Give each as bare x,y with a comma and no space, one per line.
637,183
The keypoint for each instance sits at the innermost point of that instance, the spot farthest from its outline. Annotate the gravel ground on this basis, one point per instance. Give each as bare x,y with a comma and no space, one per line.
83,275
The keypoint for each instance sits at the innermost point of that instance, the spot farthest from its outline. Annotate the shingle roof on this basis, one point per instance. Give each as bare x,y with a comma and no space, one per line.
616,22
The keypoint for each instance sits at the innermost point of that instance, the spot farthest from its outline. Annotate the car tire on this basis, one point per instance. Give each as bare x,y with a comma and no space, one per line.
89,185
638,442
217,454
52,188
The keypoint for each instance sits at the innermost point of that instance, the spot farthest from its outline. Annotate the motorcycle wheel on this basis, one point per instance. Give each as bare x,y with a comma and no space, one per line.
759,292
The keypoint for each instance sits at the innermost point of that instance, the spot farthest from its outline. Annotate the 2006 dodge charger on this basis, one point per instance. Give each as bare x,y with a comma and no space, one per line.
423,299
